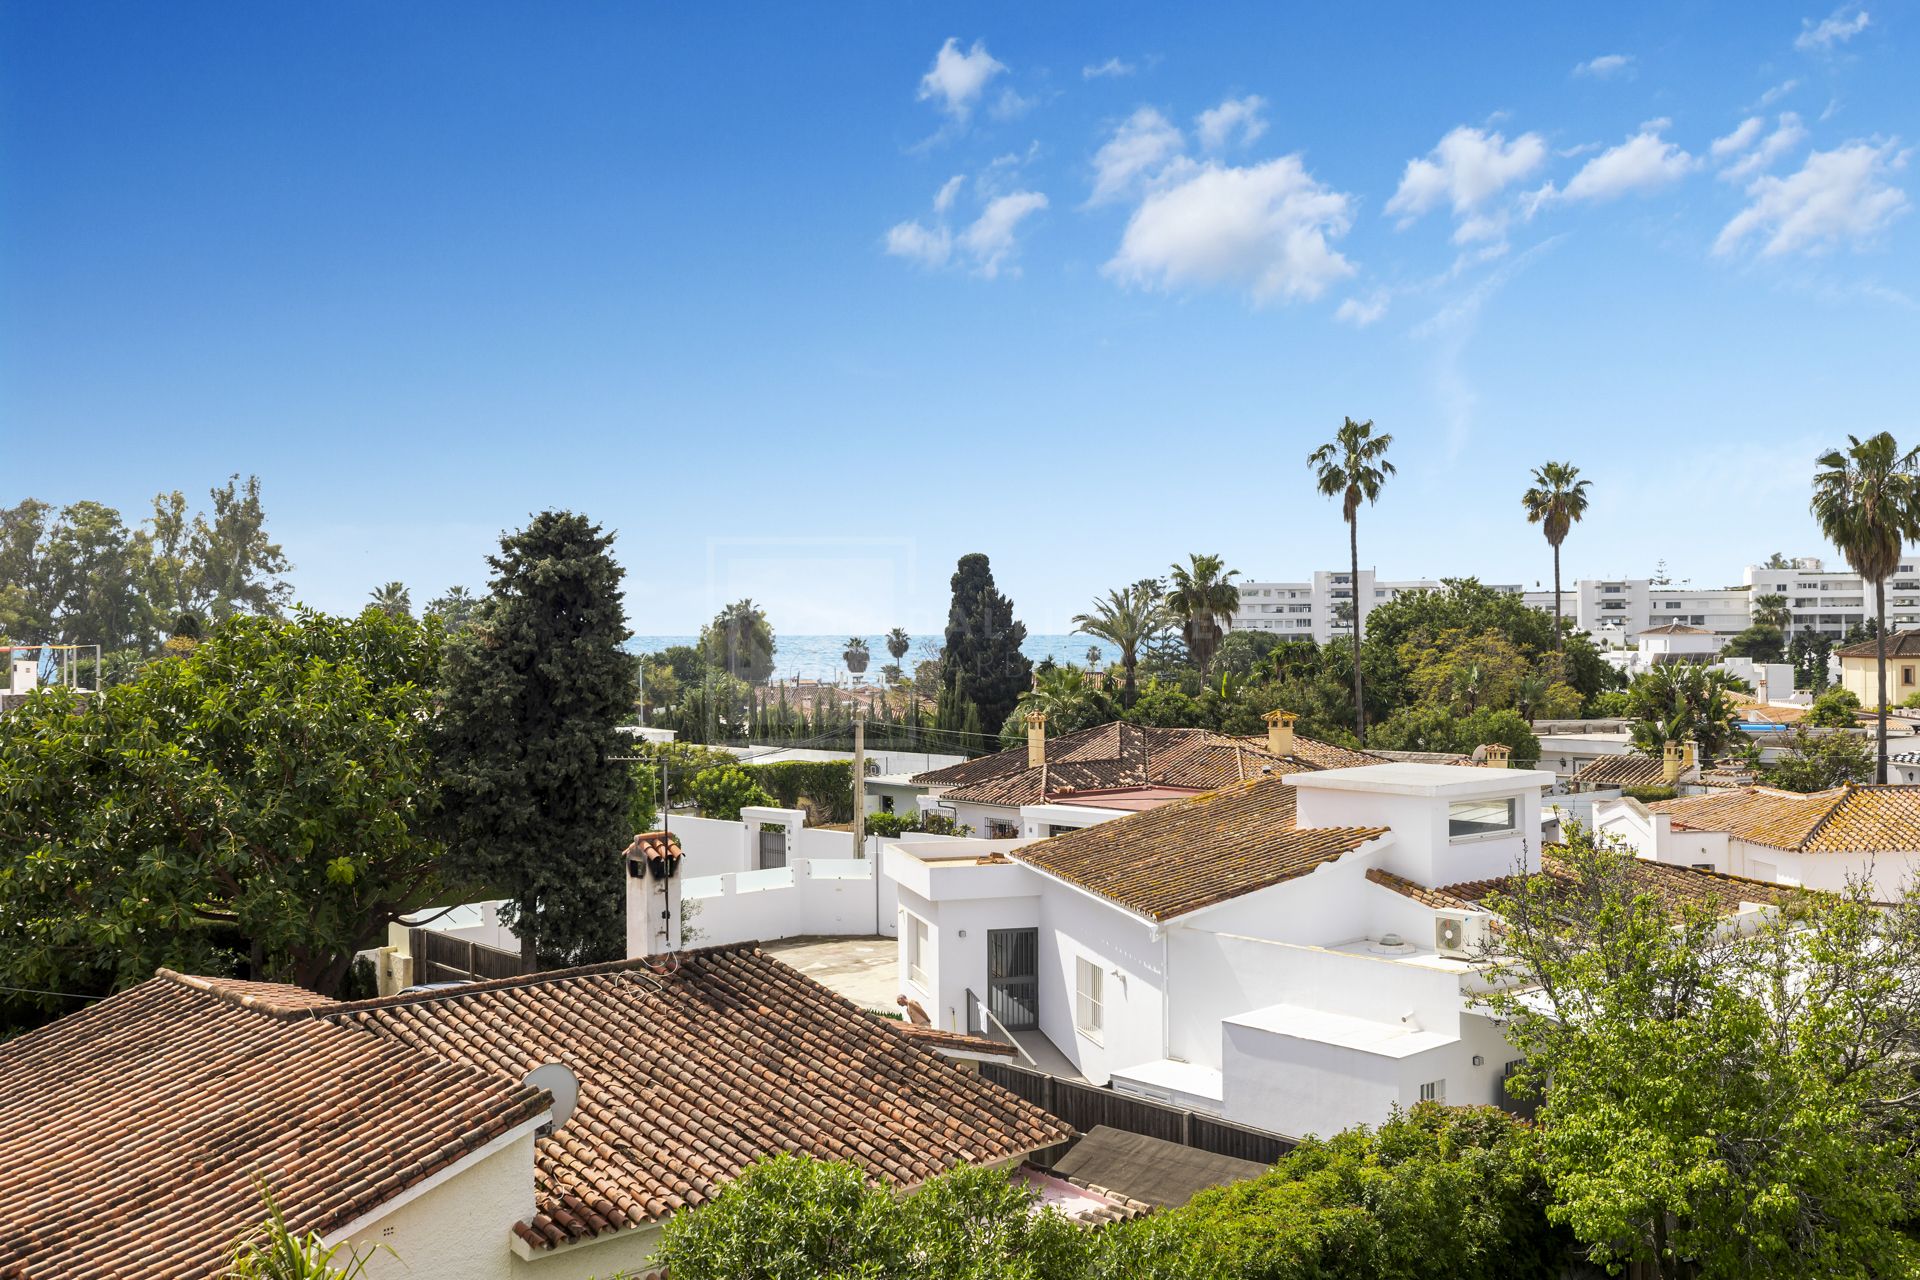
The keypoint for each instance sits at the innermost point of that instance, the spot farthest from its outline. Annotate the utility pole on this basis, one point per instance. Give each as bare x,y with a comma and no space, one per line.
860,786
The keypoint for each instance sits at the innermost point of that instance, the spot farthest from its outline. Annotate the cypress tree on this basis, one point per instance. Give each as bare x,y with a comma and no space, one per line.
536,803
983,668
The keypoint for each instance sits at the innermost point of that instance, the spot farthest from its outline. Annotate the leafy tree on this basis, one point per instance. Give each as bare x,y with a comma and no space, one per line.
1777,561
1770,610
979,1224
27,597
270,793
1202,593
898,642
214,564
1760,642
1814,762
723,791
856,655
527,738
392,598
1070,700
1128,619
1556,502
1614,704
1714,1102
1352,467
1686,702
1836,708
643,812
1810,653
1465,671
739,641
1435,728
982,673
456,608
1866,498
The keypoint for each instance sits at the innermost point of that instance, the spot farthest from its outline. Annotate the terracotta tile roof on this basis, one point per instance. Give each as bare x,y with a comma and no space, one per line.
1193,853
1117,754
689,1074
661,850
1842,820
937,1039
1629,770
1900,644
1674,886
1435,898
1677,629
131,1132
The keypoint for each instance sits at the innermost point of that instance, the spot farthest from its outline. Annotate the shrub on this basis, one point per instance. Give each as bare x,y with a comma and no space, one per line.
827,783
1834,709
722,792
1649,795
889,826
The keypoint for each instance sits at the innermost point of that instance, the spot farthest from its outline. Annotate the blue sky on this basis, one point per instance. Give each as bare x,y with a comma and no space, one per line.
808,302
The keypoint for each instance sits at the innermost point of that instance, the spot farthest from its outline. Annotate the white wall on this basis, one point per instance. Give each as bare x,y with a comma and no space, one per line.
461,1229
1072,925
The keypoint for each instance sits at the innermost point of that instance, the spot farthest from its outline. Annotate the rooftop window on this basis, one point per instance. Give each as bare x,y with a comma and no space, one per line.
1468,818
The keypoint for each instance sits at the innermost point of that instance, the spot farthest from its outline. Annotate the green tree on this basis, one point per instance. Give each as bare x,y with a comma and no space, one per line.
789,1217
27,597
456,608
1770,610
898,642
270,796
527,738
643,813
1686,702
1128,619
739,641
723,791
1760,642
392,598
856,655
1556,502
1070,700
1200,595
1435,728
1866,499
1352,467
1814,762
983,673
215,563
1835,708
1714,1102
1465,671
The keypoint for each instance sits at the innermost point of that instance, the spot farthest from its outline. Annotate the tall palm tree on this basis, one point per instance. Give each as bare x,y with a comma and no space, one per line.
898,642
856,654
393,599
1771,610
1867,500
1352,467
1203,592
1126,619
1556,502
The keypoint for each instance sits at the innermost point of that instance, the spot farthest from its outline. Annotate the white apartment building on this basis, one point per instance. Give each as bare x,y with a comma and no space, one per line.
1615,611
1831,602
1317,610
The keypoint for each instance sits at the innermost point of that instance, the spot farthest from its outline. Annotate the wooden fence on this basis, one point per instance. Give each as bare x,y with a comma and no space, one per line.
439,958
1085,1106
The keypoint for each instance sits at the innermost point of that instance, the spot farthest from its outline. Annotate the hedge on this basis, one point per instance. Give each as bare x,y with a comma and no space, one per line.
828,784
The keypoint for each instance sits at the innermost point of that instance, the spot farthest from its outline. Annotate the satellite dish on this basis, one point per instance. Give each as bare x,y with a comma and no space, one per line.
557,1079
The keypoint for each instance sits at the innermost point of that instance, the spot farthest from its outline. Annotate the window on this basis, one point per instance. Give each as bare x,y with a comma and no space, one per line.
1906,675
1003,831
917,950
1433,1091
1088,1011
1481,817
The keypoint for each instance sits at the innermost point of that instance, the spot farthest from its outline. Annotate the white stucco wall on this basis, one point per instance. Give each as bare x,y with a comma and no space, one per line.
461,1229
1074,924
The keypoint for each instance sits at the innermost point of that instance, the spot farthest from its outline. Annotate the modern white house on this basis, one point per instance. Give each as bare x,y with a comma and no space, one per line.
1819,840
1269,952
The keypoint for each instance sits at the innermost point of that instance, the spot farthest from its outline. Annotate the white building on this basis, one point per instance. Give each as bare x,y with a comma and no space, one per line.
1616,611
1832,602
1317,609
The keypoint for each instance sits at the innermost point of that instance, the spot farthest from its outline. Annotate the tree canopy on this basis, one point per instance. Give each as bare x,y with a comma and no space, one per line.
983,673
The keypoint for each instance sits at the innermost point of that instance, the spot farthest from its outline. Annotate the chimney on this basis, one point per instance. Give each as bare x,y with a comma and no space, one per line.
1036,739
1499,756
1672,762
1280,732
653,895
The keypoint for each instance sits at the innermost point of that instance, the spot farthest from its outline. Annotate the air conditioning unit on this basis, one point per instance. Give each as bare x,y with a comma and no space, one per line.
1459,934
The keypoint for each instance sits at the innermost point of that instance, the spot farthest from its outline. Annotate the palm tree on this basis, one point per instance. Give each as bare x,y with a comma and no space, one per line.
1867,500
392,599
898,642
1556,502
856,654
1126,619
1203,592
1530,693
1352,467
1771,611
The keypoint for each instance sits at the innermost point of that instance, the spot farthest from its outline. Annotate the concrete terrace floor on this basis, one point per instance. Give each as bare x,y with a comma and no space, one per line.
864,970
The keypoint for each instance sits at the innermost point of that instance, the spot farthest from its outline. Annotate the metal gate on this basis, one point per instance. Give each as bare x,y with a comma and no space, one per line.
1013,977
773,846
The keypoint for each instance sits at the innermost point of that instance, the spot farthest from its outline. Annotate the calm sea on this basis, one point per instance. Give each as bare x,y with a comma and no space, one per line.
818,657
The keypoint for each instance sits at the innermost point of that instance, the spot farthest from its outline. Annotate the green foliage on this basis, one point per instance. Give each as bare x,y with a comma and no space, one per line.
982,673
828,784
278,1252
643,812
1686,702
1200,594
1714,1102
1613,704
891,826
1815,762
392,598
527,738
456,608
739,641
1130,619
1069,699
722,792
271,790
1430,728
1834,709
680,761
1556,502
1759,642
1649,795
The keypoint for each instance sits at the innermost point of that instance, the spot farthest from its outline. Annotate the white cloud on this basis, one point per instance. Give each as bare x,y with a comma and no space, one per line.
1361,312
991,238
1140,145
1112,67
1468,168
1787,135
1218,125
1837,196
1740,139
958,79
1641,163
1606,66
1265,228
944,200
1011,106
1838,27
1777,92
928,246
